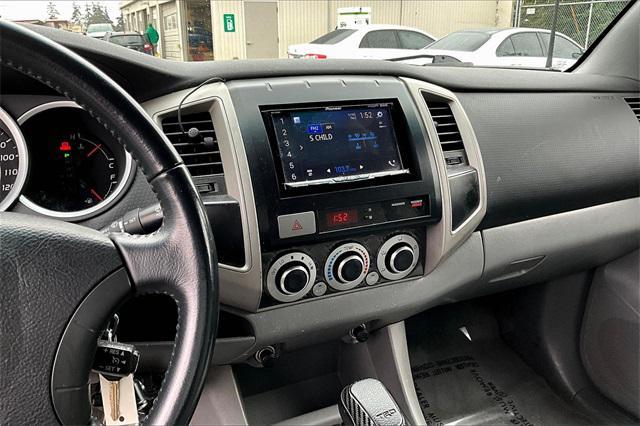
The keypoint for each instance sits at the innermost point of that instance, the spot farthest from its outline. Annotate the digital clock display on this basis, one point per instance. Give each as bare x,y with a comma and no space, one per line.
342,217
333,144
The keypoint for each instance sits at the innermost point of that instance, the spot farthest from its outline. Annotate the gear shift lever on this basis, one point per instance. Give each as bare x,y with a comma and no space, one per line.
369,403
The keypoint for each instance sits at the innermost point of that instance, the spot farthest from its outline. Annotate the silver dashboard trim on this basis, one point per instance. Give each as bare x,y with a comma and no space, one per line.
23,159
240,287
400,355
124,182
441,237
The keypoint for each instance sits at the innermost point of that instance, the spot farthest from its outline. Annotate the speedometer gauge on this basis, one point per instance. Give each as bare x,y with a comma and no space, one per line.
78,169
13,161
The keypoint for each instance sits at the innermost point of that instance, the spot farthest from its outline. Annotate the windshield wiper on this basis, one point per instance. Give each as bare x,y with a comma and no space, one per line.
552,37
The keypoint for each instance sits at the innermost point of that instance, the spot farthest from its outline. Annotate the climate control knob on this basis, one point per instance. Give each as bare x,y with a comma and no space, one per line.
398,257
293,279
346,266
291,276
349,268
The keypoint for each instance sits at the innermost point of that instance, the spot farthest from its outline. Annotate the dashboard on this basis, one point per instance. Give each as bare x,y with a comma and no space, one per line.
340,198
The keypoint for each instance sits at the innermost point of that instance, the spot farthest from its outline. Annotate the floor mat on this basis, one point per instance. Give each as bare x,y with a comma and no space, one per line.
465,374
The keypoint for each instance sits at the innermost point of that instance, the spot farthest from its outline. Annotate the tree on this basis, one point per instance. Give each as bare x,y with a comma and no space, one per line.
119,23
76,14
87,15
52,11
96,14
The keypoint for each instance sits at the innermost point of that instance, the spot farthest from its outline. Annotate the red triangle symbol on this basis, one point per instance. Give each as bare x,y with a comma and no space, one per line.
296,226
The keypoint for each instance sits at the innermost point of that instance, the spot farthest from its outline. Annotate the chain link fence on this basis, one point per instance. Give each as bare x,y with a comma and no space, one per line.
582,20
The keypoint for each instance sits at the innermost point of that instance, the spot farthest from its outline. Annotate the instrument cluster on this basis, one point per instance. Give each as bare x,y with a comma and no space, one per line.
58,161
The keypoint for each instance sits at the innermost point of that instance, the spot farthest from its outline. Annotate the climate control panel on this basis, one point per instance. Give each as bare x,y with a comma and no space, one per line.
327,268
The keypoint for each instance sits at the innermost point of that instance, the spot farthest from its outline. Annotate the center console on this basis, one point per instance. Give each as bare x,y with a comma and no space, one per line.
344,181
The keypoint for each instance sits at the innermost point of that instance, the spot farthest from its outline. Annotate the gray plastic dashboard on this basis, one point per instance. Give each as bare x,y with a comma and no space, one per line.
562,183
526,237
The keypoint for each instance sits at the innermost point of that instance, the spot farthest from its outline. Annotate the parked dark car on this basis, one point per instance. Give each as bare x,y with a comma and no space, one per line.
198,35
131,40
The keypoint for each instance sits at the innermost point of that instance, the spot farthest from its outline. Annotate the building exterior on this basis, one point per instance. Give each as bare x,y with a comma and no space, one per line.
247,29
61,24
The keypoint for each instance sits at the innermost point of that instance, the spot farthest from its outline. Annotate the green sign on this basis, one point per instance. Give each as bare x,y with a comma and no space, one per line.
229,20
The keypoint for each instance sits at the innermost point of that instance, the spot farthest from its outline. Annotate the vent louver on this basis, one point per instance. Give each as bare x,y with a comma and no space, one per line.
634,104
200,154
448,132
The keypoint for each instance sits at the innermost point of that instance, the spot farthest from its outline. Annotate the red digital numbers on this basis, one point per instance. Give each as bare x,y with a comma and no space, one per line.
342,217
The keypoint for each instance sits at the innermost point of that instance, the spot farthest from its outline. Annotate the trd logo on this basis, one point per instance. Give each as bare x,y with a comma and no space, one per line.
386,414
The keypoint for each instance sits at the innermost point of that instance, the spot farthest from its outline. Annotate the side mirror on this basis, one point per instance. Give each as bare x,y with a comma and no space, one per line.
576,55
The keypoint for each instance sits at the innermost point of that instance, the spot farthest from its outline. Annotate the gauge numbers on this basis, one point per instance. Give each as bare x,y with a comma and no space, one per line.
13,161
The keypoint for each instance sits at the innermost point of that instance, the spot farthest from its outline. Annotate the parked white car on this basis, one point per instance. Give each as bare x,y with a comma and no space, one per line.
98,30
514,47
364,42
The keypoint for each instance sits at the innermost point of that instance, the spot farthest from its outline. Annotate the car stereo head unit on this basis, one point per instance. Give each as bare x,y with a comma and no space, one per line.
336,143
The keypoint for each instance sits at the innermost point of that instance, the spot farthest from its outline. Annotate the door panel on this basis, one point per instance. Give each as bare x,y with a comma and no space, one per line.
261,29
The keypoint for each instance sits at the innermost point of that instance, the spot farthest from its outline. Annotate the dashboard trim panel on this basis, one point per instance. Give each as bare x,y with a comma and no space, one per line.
239,286
442,238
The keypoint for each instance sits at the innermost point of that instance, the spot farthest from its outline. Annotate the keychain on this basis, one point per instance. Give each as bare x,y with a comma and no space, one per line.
115,364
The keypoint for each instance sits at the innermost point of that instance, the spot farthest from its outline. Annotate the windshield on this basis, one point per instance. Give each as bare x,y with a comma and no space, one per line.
125,40
501,33
94,28
333,37
463,41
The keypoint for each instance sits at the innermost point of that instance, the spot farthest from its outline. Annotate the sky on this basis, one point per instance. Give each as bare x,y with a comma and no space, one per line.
32,9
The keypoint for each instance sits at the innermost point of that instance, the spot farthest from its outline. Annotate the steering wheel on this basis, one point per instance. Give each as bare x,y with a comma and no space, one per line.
60,282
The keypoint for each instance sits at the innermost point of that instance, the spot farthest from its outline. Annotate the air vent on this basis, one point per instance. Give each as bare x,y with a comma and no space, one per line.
200,154
448,133
634,104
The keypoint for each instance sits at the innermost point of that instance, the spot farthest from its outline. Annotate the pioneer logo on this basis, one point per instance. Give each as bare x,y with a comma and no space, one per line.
386,414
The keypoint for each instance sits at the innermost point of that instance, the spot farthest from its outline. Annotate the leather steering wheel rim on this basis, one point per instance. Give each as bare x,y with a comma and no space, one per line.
179,259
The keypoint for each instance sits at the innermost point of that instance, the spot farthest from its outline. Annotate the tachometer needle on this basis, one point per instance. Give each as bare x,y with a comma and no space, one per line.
95,194
97,147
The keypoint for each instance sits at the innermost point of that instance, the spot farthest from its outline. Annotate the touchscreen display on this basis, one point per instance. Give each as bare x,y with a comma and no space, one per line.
336,144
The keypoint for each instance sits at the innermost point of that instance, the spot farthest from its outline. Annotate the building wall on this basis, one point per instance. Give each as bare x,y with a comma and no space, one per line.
302,21
293,25
171,41
442,17
133,10
228,45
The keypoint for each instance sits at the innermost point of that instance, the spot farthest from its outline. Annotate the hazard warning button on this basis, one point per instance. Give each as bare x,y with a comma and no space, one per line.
294,225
